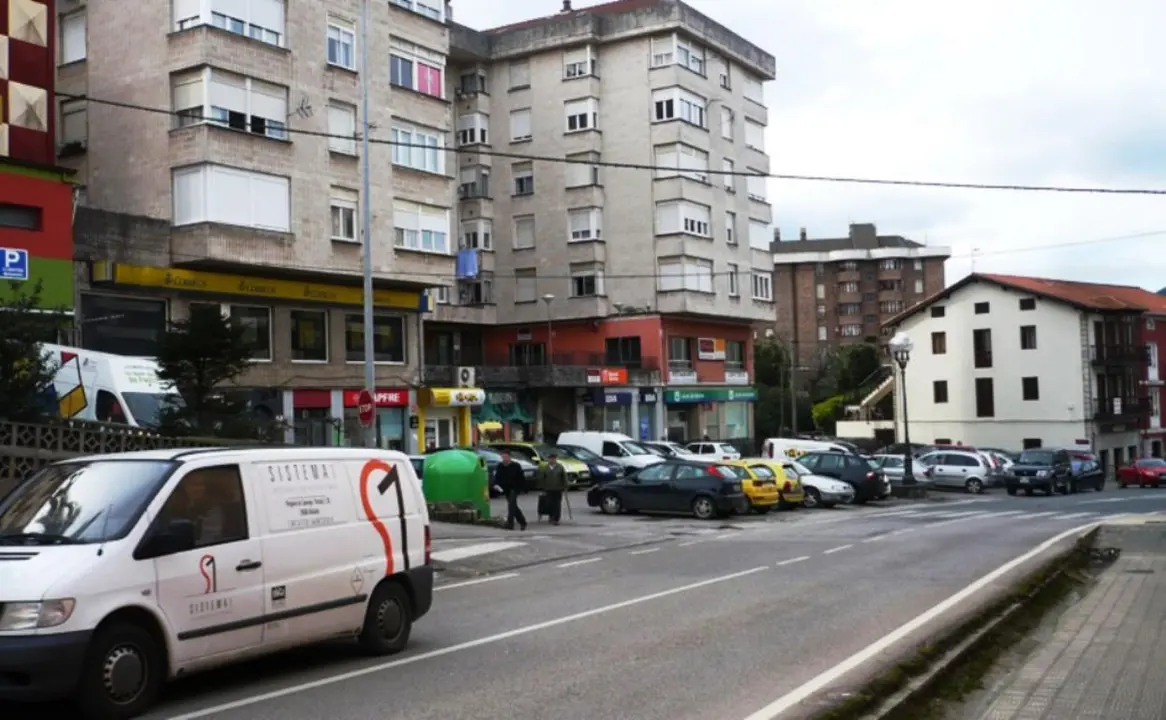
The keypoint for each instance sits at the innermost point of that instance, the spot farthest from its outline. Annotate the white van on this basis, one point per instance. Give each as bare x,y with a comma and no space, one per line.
615,447
794,448
120,572
99,386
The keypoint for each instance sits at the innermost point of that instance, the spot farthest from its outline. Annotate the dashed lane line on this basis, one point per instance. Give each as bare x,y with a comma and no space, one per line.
645,551
840,548
574,563
475,581
792,561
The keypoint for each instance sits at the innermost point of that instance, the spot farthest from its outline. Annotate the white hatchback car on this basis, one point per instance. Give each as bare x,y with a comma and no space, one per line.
821,491
714,450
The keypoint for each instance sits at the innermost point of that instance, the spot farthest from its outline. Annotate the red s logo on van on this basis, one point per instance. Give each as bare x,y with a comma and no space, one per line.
390,479
210,574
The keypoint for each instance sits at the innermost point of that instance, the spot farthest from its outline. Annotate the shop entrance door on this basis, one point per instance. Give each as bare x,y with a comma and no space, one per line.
440,433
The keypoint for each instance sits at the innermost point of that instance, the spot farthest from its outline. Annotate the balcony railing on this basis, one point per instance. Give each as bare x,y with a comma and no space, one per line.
982,359
1105,408
1111,354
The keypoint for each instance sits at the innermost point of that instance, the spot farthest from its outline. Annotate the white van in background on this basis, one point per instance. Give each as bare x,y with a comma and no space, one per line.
615,447
794,448
99,386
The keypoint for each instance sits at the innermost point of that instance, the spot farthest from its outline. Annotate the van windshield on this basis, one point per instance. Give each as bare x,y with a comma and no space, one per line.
80,502
146,408
636,449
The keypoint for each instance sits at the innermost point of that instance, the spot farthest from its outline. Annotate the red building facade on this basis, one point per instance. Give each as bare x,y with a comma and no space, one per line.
27,73
1154,337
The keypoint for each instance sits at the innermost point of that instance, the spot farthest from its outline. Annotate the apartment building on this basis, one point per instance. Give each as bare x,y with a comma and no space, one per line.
1152,333
237,183
1019,362
623,297
836,291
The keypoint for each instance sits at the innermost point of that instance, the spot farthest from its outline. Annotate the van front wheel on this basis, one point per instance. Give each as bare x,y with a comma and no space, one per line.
123,673
388,621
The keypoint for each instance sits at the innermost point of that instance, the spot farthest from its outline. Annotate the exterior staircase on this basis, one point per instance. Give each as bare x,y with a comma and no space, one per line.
881,383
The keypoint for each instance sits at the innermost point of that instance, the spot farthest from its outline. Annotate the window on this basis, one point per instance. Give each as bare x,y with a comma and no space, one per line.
678,104
525,285
582,114
890,264
820,291
523,174
754,90
821,310
73,38
849,309
229,100
728,168
424,228
343,208
261,20
21,217
691,274
432,9
1028,337
731,228
473,129
585,224
580,170
225,520
939,392
256,325
680,352
473,82
417,68
519,74
728,118
982,348
722,69
623,351
754,135
1028,303
918,287
981,308
822,333
734,280
342,128
520,128
851,330
388,338
419,148
74,122
985,399
587,280
690,55
891,307
938,343
524,232
579,62
682,216
763,286
938,311
221,194
756,186
890,285
663,51
1030,387
474,182
682,160
309,335
341,44
478,234
848,287
760,235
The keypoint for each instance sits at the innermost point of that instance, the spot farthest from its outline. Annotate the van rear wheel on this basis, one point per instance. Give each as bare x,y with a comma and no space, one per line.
388,620
123,674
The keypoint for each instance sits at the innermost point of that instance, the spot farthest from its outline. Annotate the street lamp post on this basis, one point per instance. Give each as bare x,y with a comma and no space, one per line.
548,299
901,347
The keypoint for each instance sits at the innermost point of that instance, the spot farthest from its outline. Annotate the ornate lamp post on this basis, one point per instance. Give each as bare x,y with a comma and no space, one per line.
901,347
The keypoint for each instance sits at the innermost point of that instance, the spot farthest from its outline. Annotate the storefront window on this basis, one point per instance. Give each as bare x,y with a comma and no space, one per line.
309,335
388,338
392,421
610,418
736,420
124,326
256,324
712,421
314,427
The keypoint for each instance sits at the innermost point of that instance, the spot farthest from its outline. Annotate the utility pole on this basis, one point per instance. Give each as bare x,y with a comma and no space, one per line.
370,377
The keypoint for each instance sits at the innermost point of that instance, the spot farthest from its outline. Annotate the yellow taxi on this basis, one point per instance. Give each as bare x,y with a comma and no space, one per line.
760,487
790,486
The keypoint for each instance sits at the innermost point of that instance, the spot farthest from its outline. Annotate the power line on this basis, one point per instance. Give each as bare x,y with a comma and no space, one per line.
476,150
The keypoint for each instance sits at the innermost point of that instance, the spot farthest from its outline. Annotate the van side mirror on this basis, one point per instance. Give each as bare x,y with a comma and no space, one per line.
175,537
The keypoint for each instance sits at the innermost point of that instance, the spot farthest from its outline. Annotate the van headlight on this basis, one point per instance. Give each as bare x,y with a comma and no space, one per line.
34,615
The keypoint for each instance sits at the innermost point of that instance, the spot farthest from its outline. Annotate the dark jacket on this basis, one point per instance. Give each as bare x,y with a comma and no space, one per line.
509,476
554,478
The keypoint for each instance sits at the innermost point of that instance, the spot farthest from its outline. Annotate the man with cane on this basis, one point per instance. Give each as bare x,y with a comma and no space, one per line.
554,484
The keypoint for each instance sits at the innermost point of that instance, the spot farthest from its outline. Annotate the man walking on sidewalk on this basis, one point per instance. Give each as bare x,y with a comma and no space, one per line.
509,476
554,484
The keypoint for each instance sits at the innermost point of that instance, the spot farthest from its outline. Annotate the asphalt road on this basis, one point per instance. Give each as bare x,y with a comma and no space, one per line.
708,626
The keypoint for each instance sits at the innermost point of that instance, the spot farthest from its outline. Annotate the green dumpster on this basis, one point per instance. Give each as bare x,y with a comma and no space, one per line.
457,476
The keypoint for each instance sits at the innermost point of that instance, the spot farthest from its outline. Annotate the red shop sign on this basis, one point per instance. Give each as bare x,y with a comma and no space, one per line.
384,398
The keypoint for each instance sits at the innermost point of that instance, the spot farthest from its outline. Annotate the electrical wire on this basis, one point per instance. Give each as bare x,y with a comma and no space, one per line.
477,150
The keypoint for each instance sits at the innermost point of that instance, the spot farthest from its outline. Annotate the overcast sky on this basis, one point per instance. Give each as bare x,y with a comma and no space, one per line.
1036,92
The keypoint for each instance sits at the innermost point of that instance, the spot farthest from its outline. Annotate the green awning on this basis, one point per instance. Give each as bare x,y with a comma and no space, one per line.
514,413
486,413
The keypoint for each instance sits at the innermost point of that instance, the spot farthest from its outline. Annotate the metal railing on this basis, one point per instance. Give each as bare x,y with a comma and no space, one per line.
1119,353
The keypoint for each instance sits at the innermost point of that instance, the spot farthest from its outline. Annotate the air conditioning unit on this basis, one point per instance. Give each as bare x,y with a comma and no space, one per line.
465,377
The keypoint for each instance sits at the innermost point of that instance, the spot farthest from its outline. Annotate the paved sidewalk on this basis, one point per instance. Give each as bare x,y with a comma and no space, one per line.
1106,659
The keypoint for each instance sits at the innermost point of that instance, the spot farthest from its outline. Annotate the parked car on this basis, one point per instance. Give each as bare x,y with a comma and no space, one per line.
492,458
704,490
759,486
861,474
665,448
788,484
1147,472
820,491
900,449
602,470
1046,469
611,446
968,470
894,466
1087,470
577,472
705,450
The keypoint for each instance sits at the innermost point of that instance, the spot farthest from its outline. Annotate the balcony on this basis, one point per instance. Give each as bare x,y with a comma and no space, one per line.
1107,408
568,370
982,359
1119,354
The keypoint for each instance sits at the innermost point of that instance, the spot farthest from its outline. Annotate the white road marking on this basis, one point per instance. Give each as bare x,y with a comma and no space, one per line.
461,647
724,536
690,543
1107,500
644,552
874,650
791,561
584,561
952,521
840,548
1029,516
1073,516
899,513
468,551
1009,513
477,581
877,538
904,531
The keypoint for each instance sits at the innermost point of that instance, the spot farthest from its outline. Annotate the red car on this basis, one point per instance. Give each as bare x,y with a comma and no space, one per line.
1147,472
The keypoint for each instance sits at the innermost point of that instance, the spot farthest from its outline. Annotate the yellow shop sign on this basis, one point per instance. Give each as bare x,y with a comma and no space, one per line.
457,397
223,284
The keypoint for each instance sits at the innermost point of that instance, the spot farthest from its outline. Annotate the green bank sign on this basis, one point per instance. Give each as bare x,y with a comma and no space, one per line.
709,395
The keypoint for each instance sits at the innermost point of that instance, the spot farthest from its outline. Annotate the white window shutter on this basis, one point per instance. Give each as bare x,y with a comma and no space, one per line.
228,91
268,101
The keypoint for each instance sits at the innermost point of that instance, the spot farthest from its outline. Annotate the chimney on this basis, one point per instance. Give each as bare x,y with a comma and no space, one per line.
777,234
803,235
566,6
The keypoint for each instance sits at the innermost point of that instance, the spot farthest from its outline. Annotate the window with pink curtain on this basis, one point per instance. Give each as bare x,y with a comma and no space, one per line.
429,80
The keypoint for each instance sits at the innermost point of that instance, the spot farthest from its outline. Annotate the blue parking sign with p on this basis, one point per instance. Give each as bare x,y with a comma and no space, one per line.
15,264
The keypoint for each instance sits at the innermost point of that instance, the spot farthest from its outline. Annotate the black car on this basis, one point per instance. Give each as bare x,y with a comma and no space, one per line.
858,472
602,469
704,490
1048,470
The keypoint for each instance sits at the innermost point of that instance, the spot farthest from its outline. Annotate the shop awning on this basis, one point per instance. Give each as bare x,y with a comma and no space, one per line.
486,414
515,414
490,426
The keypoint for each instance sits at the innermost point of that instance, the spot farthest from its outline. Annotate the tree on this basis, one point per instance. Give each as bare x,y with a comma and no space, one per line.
202,357
26,370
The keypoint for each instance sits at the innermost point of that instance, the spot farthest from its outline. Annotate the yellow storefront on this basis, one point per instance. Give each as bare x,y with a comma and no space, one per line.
443,416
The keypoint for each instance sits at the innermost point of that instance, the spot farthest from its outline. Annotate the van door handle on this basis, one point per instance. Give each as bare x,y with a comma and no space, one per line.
247,565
